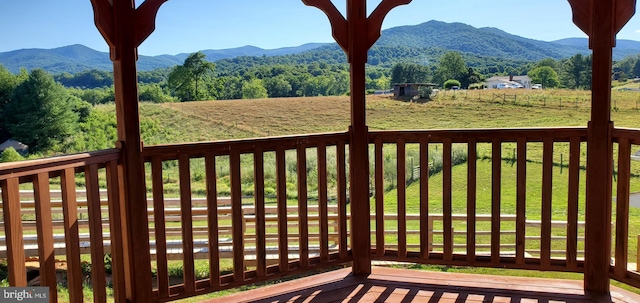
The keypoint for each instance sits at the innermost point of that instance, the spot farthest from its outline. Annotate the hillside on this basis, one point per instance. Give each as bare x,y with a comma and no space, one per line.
77,58
423,43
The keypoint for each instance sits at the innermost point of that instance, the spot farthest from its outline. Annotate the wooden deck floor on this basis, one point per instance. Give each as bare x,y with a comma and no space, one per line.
402,285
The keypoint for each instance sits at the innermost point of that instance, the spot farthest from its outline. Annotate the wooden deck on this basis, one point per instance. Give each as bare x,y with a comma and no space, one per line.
402,285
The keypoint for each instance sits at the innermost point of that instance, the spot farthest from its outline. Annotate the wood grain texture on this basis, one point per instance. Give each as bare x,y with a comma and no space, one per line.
303,226
98,275
521,200
45,235
237,221
342,200
258,175
496,189
322,202
572,203
471,198
212,219
402,197
116,232
379,186
622,209
159,225
599,152
186,222
447,207
425,228
547,187
281,184
72,235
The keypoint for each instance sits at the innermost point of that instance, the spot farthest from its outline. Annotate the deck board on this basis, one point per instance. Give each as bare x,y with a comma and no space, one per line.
403,285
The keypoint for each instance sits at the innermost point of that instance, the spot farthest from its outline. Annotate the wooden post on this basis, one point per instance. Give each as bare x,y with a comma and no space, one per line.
124,27
359,143
600,20
356,34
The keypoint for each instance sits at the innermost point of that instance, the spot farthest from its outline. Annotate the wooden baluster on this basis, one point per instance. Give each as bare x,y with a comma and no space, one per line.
261,244
496,179
521,200
95,234
283,234
303,226
160,227
402,198
425,230
547,188
622,208
212,219
72,235
447,208
342,199
237,223
322,202
13,232
186,220
44,228
471,199
572,208
379,175
116,220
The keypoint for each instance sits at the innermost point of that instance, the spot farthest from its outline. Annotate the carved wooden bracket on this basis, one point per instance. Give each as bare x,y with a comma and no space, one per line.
340,26
144,21
338,22
583,15
377,17
103,18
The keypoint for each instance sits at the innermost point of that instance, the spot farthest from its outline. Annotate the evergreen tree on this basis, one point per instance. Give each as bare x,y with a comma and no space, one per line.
39,113
8,83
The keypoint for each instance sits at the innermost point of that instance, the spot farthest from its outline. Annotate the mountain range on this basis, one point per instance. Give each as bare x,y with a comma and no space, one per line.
481,42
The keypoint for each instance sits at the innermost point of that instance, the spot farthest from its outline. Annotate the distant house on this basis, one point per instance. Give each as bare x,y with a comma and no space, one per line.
403,90
508,81
18,146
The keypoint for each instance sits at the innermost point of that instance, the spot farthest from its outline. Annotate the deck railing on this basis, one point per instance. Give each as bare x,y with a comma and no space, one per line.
235,213
625,139
479,240
44,218
281,237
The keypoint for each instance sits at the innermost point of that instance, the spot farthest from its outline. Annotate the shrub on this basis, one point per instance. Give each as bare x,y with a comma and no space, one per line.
10,155
451,83
425,92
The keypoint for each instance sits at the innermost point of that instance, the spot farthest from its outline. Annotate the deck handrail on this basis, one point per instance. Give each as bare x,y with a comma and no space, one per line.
31,167
480,135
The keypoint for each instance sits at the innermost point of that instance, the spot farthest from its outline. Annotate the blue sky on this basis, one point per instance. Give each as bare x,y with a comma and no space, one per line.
185,26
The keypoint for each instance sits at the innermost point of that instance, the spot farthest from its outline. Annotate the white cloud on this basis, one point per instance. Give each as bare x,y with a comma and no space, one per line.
638,31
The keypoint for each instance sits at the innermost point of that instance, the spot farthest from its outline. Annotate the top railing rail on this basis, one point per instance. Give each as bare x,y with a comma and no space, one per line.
484,135
33,167
199,149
